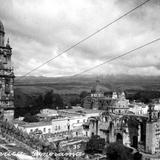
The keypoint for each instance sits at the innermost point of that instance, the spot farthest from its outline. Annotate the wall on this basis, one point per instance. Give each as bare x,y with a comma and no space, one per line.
60,125
149,138
69,124
9,115
153,137
45,129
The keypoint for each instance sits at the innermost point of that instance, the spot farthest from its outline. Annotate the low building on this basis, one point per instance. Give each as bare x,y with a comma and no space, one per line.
60,126
69,125
157,107
47,114
66,123
78,111
138,108
44,127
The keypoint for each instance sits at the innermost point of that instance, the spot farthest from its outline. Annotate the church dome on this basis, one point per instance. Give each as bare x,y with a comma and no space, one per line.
98,88
1,27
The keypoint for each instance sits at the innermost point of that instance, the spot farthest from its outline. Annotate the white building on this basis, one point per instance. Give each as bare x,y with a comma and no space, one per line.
44,127
47,113
138,108
60,125
79,112
68,121
157,107
69,124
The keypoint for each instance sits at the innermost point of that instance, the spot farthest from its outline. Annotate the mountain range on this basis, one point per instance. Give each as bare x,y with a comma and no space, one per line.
75,85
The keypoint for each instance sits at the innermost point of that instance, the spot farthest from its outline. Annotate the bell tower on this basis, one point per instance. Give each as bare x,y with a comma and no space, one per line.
6,78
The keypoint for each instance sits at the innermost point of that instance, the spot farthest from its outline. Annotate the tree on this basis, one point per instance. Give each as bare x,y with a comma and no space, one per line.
83,94
74,101
117,151
57,101
52,100
95,145
39,102
29,118
48,99
137,156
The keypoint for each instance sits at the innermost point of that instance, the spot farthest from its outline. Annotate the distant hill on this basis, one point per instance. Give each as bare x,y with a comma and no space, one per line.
78,84
136,87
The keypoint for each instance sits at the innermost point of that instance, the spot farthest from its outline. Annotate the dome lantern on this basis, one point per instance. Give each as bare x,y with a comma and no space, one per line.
8,45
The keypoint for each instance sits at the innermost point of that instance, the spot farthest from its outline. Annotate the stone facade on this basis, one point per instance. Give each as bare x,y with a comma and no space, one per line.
103,98
98,98
153,131
119,105
6,78
128,129
153,137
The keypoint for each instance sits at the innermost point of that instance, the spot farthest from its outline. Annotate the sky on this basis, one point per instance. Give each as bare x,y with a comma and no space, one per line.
41,29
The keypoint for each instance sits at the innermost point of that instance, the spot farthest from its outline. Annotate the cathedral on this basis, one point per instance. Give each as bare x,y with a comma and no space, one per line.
98,99
6,78
103,98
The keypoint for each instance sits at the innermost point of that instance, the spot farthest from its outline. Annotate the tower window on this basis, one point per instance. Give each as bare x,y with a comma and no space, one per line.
56,127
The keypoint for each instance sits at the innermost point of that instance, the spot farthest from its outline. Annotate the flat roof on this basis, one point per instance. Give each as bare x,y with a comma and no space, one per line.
36,124
47,115
16,121
68,117
81,110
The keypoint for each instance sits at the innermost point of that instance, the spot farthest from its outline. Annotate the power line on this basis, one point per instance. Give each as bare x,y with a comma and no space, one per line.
86,38
117,57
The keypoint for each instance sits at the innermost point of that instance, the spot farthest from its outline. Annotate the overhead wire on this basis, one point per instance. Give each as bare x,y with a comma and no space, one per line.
84,39
117,57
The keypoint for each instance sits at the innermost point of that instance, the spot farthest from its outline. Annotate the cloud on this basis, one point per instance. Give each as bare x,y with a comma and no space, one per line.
41,29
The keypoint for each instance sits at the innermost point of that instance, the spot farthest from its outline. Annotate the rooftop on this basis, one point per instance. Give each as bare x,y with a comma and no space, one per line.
36,124
46,115
80,111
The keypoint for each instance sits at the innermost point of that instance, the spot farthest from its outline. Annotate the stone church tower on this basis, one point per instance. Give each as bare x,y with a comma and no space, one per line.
6,78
